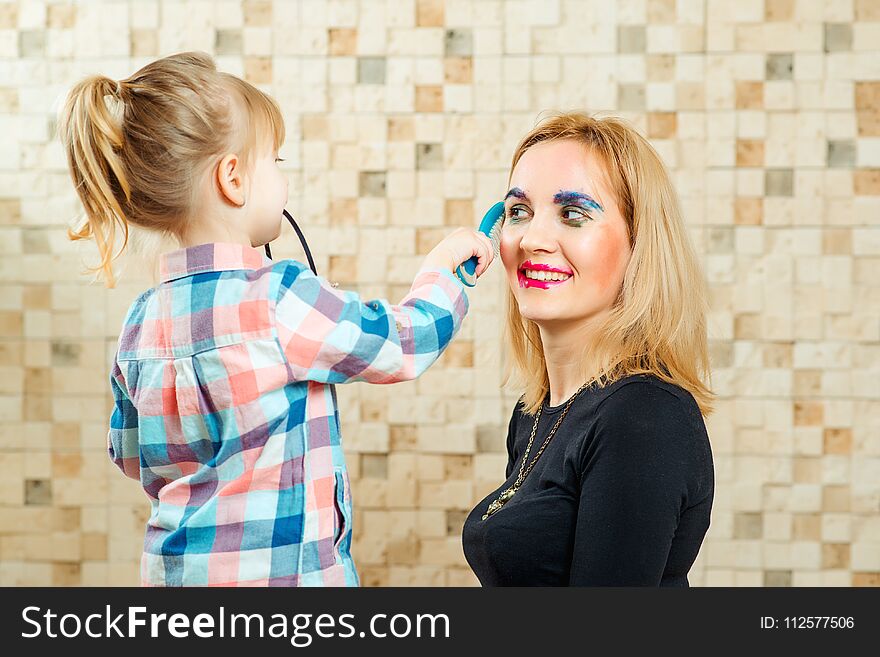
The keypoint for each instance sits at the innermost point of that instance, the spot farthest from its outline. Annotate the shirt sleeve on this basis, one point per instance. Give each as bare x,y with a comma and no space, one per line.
332,336
638,475
122,439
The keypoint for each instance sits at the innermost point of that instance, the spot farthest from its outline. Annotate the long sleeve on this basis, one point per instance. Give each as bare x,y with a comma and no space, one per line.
638,475
122,439
331,336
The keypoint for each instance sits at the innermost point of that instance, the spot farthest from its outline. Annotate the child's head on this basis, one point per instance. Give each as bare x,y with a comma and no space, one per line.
181,149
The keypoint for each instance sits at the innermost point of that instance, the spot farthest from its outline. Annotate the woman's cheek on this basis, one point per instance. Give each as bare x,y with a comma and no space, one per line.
508,250
603,254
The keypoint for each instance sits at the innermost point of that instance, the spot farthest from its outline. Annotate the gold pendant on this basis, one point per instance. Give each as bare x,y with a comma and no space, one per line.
501,501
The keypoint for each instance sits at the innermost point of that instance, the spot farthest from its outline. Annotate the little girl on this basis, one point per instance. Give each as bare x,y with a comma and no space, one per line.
223,408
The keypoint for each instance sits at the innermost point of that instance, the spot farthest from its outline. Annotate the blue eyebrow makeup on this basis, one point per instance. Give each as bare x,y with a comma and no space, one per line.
562,197
587,206
577,198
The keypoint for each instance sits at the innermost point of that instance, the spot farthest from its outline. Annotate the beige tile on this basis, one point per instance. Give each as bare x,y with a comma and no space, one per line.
867,10
779,10
144,43
662,125
429,98
866,579
60,16
749,153
458,70
806,527
257,13
749,95
258,70
430,13
835,499
8,16
749,211
343,41
838,441
866,182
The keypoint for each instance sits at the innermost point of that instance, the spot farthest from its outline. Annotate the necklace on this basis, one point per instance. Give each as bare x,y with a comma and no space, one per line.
505,495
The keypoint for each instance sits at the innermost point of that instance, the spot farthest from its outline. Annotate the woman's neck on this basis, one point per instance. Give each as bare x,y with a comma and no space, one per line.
565,347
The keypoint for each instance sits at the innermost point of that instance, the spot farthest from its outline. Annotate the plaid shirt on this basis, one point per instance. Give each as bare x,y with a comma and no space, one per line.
224,413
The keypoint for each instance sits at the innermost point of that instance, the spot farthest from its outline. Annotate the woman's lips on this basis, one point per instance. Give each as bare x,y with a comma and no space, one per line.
539,266
541,285
542,275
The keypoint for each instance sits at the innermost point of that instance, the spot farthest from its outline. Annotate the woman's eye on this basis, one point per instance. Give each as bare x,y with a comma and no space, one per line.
575,216
278,159
517,213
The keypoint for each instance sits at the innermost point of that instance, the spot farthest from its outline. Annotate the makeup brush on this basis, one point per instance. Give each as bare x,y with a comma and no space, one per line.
490,226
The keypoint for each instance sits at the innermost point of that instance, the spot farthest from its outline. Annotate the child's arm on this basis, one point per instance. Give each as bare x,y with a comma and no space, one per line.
122,439
332,336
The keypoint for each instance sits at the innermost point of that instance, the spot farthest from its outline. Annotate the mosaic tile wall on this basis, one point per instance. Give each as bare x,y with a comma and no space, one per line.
402,116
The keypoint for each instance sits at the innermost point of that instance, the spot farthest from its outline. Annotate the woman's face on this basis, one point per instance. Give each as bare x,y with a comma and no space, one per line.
564,243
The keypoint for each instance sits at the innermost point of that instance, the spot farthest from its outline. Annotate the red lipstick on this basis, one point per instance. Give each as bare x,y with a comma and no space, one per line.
528,264
526,282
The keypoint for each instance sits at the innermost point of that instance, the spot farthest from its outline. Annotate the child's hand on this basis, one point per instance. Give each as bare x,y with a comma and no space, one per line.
457,247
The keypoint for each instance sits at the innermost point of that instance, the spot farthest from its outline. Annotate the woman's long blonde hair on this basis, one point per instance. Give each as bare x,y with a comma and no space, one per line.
139,158
658,323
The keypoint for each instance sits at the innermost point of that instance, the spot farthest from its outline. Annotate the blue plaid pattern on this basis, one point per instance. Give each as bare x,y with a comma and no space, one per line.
224,412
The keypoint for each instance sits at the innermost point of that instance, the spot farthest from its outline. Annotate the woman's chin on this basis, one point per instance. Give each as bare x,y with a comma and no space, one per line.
540,313
551,312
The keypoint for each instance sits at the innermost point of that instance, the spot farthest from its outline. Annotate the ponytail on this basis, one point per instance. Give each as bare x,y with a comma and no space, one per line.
92,136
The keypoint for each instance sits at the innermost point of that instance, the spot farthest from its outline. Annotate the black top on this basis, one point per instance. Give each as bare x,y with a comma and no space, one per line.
621,496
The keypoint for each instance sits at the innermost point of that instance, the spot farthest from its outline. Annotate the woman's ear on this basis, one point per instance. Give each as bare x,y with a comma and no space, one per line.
230,179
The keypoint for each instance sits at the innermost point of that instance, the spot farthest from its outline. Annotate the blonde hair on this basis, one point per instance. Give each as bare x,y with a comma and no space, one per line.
658,323
139,159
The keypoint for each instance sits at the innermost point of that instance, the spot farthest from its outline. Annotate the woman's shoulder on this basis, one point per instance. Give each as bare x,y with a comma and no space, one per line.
642,401
646,392
646,410
648,423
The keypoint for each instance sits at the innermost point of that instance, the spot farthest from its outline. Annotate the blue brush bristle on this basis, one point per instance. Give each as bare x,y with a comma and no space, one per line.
490,226
495,236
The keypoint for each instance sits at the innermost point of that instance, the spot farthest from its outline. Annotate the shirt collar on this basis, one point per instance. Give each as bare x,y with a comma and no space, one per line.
213,256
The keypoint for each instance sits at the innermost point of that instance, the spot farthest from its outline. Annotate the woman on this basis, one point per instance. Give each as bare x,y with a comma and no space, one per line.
610,478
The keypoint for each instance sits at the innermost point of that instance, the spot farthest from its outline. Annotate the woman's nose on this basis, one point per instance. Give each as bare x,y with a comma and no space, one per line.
539,235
